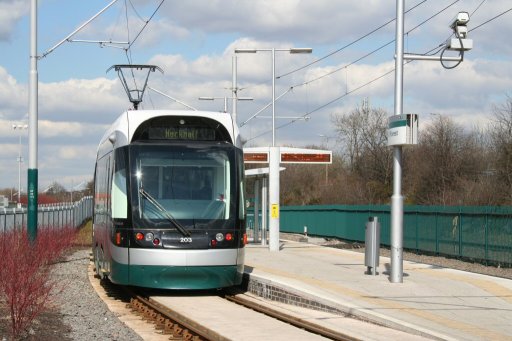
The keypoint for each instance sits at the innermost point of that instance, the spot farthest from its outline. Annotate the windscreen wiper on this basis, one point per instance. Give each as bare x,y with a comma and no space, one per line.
165,213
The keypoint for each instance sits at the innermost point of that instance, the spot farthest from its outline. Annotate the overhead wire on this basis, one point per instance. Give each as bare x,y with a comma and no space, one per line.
128,50
146,24
374,79
477,8
489,20
358,59
379,48
135,11
349,44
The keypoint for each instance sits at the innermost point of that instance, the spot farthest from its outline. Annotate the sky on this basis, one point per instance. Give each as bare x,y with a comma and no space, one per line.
193,42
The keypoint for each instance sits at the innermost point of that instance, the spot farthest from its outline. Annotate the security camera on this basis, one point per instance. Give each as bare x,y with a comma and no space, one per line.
460,28
460,19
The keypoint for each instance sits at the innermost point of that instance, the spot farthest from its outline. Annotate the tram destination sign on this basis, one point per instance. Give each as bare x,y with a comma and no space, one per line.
182,133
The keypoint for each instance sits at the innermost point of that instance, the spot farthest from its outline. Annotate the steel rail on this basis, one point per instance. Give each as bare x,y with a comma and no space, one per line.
173,322
294,321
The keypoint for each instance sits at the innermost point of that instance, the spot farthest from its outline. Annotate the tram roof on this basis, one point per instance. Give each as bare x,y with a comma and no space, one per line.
127,123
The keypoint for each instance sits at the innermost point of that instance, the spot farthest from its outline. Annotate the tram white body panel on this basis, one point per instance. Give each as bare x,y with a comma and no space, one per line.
126,124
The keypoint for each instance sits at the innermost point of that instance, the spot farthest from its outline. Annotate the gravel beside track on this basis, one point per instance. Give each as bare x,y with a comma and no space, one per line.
82,310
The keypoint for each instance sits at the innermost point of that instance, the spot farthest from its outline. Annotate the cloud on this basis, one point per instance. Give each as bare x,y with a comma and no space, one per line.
11,12
82,100
13,97
277,20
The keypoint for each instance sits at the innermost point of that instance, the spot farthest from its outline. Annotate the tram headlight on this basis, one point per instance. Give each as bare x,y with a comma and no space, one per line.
149,236
219,237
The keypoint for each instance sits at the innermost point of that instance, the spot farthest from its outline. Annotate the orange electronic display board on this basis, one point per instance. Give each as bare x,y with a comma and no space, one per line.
288,155
256,157
305,158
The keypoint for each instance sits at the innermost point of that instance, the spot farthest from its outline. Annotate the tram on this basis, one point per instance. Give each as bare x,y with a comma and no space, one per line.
169,207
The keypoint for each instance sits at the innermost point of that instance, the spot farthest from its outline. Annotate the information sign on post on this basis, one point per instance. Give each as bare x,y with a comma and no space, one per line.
403,129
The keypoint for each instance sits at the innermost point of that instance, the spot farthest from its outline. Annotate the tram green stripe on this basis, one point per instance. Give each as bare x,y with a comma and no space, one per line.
32,204
177,277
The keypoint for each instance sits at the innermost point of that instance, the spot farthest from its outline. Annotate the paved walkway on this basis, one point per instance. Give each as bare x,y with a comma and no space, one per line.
435,302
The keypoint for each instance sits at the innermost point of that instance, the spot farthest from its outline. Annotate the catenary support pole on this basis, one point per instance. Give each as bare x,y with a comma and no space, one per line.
397,202
32,128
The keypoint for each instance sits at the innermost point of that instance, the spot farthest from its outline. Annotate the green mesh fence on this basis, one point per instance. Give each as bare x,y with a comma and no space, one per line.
481,233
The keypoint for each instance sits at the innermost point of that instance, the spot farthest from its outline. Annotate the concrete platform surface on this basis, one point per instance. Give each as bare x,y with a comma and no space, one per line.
432,302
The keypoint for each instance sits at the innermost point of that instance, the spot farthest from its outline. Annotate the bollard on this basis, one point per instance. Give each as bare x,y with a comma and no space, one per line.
372,245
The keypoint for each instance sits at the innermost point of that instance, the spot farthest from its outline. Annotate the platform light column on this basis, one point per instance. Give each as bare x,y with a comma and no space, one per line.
274,157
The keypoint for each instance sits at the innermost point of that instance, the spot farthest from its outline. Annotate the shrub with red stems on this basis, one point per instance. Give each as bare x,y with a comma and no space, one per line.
26,285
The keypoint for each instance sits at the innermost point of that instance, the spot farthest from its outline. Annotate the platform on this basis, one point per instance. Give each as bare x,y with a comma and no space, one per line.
432,302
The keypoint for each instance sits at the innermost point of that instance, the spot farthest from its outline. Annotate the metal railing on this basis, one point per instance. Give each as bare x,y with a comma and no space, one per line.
72,214
481,233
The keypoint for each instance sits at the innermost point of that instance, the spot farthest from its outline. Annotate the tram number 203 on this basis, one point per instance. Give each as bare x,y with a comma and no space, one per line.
185,240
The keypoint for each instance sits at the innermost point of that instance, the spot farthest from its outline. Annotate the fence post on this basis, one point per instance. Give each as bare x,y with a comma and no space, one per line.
460,231
437,233
486,235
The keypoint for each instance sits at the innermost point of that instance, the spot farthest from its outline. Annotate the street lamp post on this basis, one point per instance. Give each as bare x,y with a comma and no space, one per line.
273,51
20,158
274,153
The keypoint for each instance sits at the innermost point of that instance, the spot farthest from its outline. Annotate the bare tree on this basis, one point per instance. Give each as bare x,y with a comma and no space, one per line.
446,163
501,143
362,135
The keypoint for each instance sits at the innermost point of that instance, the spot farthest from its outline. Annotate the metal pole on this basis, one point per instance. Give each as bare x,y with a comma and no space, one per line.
274,99
256,210
273,180
264,202
19,170
397,201
32,128
235,92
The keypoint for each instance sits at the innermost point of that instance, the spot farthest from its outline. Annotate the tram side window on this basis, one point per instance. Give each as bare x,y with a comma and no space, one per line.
241,172
119,190
101,190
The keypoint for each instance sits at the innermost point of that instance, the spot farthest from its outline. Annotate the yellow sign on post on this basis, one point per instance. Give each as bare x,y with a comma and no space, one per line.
275,211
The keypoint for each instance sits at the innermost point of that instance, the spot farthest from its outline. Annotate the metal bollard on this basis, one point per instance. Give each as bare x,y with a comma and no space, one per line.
372,245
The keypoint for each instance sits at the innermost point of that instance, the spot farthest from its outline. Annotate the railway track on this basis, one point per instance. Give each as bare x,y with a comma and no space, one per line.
162,310
180,326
